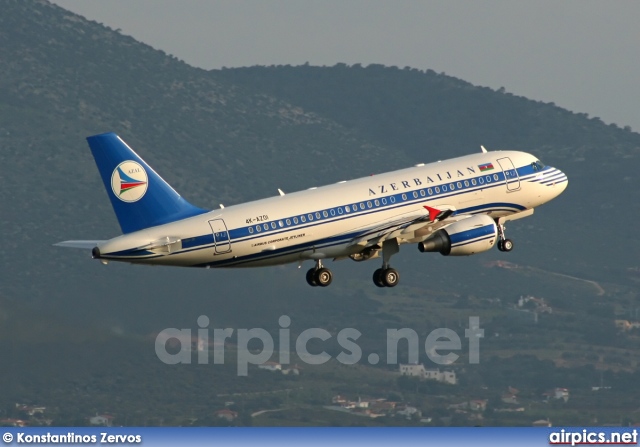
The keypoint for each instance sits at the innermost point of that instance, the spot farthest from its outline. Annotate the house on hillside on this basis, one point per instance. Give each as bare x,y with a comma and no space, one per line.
418,370
557,393
542,423
271,366
226,414
29,409
9,422
104,420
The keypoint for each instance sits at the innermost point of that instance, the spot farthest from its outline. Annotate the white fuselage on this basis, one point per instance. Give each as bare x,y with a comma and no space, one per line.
323,222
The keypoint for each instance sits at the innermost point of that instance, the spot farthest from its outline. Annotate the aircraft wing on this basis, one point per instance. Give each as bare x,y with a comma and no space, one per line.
407,228
87,245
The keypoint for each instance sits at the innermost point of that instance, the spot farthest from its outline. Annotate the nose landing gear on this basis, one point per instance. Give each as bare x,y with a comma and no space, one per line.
504,244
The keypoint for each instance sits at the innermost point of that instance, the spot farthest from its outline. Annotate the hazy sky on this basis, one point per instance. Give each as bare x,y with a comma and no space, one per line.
583,55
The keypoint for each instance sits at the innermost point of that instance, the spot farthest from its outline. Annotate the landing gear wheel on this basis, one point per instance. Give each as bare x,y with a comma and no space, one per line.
507,245
390,277
500,245
323,277
311,280
377,278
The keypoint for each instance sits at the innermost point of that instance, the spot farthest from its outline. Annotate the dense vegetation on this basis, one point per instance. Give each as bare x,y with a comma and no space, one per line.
231,135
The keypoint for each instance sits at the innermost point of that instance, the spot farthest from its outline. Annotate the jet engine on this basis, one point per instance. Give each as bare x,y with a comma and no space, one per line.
465,237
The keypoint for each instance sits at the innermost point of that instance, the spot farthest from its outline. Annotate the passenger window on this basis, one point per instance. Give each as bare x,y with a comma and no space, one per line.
295,220
404,197
303,219
362,206
250,230
325,214
273,225
258,228
377,202
422,193
280,223
265,226
317,215
495,177
466,183
332,212
384,201
288,221
310,216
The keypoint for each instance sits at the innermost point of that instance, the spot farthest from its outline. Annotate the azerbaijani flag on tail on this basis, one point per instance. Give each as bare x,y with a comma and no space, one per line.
486,167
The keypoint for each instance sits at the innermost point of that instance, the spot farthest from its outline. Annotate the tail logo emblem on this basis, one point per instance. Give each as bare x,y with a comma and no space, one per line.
129,181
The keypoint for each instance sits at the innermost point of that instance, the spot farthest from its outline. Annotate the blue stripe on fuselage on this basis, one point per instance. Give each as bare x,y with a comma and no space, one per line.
243,234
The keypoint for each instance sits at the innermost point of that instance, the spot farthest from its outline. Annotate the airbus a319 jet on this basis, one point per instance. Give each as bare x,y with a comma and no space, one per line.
454,207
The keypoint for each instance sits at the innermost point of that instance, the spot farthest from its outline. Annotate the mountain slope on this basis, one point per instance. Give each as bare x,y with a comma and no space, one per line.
238,134
432,116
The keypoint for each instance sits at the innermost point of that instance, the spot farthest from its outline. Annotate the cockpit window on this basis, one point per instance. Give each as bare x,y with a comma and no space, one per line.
537,165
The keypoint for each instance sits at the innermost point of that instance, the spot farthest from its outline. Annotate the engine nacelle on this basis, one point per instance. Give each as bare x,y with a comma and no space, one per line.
465,237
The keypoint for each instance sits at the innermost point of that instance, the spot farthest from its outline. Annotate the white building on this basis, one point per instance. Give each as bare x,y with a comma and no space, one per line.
418,370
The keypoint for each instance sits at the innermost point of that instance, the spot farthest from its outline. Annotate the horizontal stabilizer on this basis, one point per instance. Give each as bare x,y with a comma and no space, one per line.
87,245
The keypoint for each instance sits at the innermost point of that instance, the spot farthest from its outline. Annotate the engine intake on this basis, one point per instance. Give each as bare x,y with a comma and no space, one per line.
465,237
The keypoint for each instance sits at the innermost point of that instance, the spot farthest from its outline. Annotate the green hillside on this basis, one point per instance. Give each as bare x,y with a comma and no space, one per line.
226,136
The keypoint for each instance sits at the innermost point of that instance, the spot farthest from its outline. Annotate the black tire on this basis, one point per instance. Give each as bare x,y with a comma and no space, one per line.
311,277
323,277
390,277
377,278
501,245
507,245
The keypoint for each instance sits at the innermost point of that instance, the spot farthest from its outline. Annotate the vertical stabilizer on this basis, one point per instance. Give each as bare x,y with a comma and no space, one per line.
140,197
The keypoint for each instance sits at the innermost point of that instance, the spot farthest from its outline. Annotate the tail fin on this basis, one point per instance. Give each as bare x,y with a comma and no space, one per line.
140,197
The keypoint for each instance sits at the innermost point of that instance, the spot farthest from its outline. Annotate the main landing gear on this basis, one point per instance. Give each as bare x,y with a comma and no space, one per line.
504,244
319,275
386,276
382,277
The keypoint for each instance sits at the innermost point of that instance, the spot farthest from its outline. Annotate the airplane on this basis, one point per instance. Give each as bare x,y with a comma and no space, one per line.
454,207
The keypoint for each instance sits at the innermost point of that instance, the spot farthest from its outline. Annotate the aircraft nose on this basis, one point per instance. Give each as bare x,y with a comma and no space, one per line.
557,182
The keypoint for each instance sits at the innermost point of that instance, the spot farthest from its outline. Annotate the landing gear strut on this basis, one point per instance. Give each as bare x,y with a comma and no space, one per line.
504,244
319,275
387,276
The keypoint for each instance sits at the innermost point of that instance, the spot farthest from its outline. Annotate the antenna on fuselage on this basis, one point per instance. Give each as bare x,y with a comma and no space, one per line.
280,191
484,151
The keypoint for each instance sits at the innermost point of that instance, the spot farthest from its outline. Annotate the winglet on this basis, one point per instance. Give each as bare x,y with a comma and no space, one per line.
436,215
433,213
